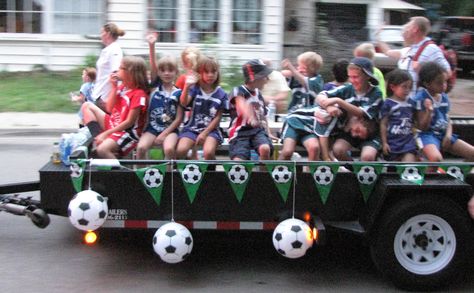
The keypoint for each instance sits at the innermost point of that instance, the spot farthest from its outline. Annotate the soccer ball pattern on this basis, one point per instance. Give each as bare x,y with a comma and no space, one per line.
455,172
153,178
411,174
191,174
323,175
281,174
173,242
367,175
292,238
87,210
76,170
238,174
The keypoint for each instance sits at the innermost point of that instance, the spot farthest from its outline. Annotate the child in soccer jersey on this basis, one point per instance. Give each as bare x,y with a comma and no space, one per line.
396,119
432,108
164,113
367,50
311,128
305,81
117,133
249,128
361,98
207,100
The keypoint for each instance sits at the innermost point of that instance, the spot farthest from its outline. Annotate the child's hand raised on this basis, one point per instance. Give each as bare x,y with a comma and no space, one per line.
428,104
152,37
192,78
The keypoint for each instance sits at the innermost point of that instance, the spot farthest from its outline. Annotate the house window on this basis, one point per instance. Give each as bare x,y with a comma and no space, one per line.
162,19
204,26
51,17
247,22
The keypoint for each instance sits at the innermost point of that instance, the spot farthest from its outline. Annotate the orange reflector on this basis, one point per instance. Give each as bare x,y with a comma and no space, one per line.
90,237
307,217
315,234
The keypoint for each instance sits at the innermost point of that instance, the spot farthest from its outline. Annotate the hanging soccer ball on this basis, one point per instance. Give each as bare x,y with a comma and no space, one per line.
455,172
281,174
323,175
173,242
238,174
191,174
292,238
153,178
411,174
87,210
367,175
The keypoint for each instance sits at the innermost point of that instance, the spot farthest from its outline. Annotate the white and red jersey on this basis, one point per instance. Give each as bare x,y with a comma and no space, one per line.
128,99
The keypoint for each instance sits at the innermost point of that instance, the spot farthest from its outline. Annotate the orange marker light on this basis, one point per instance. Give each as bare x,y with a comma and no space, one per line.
90,237
315,234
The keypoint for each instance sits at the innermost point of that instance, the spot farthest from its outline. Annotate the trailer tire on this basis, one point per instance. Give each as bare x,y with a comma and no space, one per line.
422,243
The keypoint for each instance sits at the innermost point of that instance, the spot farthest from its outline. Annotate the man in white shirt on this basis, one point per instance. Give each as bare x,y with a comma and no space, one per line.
415,35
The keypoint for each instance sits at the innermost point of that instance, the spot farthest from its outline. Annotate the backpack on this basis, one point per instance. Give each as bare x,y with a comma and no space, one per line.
449,55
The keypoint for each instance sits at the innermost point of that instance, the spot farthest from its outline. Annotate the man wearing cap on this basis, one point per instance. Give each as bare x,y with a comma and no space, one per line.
361,98
249,127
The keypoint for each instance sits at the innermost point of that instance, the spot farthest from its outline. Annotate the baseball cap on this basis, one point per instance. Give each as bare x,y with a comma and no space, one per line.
255,69
366,65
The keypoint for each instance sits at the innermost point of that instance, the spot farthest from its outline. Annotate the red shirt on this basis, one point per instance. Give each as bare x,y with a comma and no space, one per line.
128,99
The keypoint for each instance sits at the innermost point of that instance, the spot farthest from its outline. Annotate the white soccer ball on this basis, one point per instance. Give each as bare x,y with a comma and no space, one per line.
173,242
411,174
323,175
238,174
367,175
456,172
87,210
76,170
153,178
292,238
191,174
281,174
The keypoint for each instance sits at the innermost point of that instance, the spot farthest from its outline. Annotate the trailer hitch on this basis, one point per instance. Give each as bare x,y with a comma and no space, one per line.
24,206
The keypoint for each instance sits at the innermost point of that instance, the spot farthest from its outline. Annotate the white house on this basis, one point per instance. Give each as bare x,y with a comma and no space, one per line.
59,34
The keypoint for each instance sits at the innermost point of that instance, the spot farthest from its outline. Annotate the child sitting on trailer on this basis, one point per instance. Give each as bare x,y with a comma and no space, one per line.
249,126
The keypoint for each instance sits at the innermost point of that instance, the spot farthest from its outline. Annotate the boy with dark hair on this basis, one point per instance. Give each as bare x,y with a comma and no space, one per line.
249,127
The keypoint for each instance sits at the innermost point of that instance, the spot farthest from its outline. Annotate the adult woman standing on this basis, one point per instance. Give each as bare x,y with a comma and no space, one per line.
108,62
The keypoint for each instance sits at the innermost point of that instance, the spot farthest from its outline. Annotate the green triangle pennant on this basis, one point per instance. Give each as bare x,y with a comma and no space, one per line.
77,174
153,178
282,175
324,175
458,172
192,174
238,175
412,173
367,175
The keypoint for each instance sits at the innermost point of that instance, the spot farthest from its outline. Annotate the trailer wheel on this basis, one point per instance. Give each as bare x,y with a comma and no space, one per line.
422,243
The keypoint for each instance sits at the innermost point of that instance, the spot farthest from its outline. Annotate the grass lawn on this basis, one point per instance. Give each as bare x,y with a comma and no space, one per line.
38,91
49,91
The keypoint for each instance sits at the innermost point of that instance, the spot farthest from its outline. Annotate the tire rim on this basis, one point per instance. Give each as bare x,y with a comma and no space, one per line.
425,244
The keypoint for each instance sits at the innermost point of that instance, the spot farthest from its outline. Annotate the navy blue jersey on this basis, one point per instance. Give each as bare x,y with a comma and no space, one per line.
439,121
400,136
163,108
205,107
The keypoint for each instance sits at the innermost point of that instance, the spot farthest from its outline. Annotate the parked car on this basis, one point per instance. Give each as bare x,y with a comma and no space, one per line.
392,35
457,33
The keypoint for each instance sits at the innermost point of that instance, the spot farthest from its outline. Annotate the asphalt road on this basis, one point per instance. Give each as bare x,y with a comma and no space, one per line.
56,260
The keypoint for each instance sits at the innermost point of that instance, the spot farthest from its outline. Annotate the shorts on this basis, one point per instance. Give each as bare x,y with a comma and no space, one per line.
216,134
425,138
240,146
125,140
359,143
152,130
398,156
300,136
